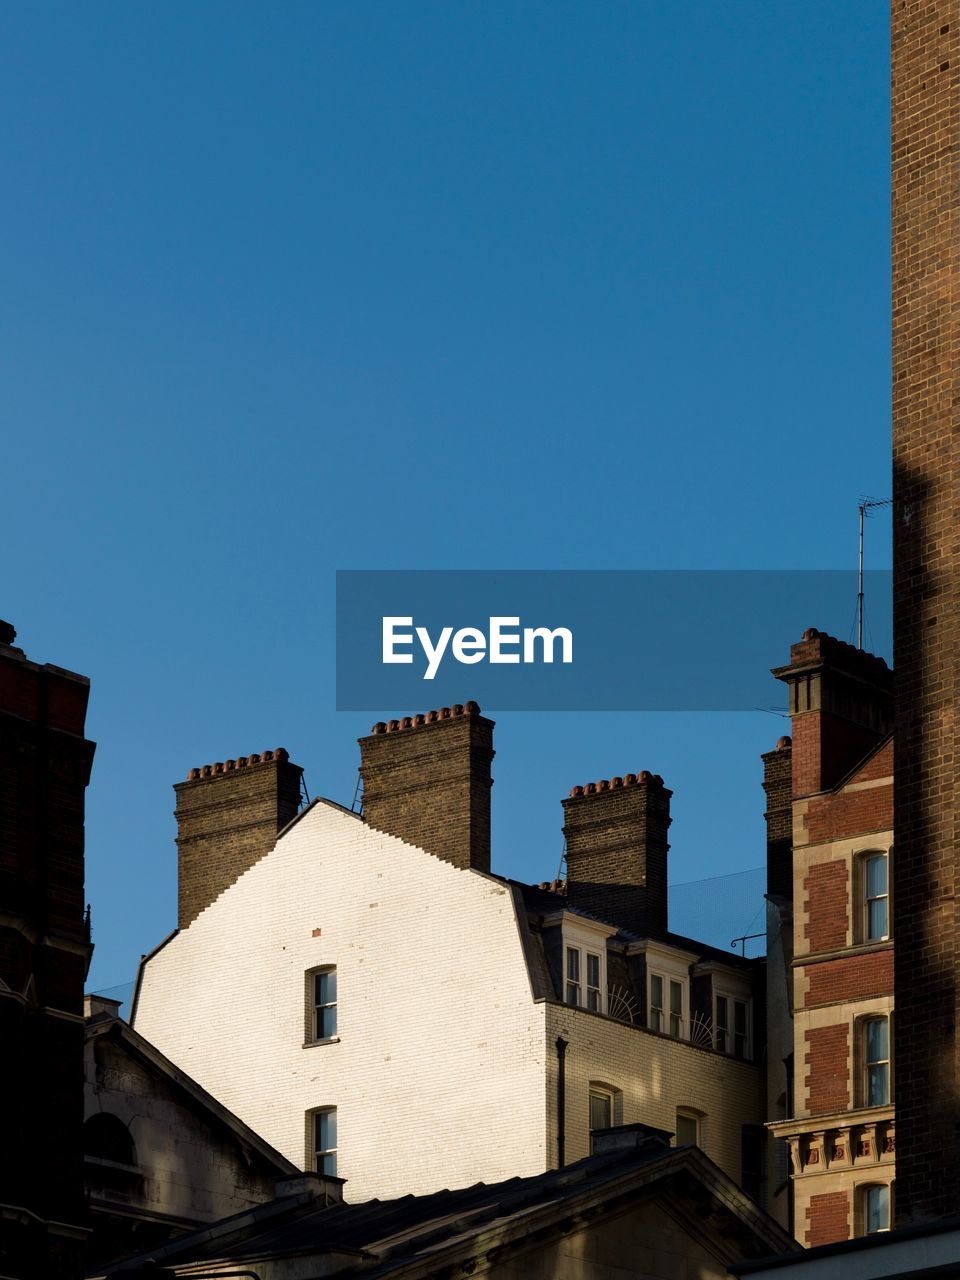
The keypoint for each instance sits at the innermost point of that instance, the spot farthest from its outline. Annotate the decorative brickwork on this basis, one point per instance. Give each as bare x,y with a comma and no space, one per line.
228,816
827,887
828,1069
616,834
426,779
44,953
851,978
828,1218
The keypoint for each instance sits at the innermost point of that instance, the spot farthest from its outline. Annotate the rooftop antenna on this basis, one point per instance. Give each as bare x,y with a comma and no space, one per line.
865,506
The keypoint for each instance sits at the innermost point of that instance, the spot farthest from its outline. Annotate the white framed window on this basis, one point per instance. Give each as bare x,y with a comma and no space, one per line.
874,1208
875,1056
573,976
688,1128
322,1004
874,884
323,1131
584,975
731,1025
668,1000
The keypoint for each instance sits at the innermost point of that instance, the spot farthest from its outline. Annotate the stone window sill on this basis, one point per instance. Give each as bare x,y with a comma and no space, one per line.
312,1044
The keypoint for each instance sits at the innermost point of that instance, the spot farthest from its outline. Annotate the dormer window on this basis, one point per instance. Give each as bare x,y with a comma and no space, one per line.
668,999
731,1025
584,978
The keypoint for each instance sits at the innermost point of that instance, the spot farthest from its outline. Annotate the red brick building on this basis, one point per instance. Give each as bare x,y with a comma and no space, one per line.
839,1123
44,954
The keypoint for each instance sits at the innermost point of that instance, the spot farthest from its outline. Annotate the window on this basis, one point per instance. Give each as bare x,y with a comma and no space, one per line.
667,1017
322,1004
106,1137
875,897
874,1209
582,964
594,998
601,1108
732,1026
325,1141
876,1061
688,1128
573,975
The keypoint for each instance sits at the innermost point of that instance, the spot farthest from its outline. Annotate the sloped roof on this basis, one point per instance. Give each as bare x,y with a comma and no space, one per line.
400,1236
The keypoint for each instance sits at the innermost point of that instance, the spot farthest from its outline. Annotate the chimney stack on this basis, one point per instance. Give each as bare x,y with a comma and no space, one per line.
778,786
841,705
616,835
228,816
426,779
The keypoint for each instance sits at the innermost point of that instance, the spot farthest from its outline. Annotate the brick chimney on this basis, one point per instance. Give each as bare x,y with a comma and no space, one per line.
228,816
616,834
778,786
841,705
426,779
925,104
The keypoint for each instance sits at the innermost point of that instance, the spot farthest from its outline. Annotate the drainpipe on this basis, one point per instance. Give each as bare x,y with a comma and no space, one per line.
561,1100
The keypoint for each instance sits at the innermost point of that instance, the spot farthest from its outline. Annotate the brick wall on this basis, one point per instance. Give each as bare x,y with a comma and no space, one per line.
926,481
828,1218
228,816
426,779
616,840
851,978
827,1061
827,888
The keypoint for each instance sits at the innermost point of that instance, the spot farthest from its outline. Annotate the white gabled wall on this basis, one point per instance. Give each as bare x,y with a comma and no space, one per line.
439,1074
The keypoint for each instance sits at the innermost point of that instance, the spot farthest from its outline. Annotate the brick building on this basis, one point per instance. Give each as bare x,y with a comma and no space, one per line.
417,1021
837,1102
45,950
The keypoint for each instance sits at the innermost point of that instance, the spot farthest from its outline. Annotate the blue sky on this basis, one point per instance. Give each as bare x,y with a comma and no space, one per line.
297,287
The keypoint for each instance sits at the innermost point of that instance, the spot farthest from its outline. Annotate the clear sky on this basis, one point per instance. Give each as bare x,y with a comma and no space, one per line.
288,288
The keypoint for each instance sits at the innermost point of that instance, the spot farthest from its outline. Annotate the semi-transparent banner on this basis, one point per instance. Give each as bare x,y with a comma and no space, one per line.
589,640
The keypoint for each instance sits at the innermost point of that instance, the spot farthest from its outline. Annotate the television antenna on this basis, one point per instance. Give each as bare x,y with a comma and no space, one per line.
865,507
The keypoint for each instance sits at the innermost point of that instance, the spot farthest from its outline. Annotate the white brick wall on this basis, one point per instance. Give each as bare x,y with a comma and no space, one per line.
439,1074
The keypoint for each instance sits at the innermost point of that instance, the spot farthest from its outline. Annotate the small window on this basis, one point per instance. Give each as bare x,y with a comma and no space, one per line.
688,1128
876,1061
601,1108
676,1008
656,1002
874,1209
325,1141
594,990
106,1137
732,1026
876,903
322,988
573,976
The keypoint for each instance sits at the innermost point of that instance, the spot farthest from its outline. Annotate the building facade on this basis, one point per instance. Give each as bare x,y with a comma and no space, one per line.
419,1022
45,762
839,1123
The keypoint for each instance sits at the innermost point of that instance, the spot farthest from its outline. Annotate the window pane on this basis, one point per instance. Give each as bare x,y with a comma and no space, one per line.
573,993
600,1110
877,1085
876,877
676,997
676,1025
740,1017
573,964
327,1022
877,1040
722,1012
593,999
328,1164
656,991
593,970
688,1130
326,1130
656,1020
326,987
877,1209
877,918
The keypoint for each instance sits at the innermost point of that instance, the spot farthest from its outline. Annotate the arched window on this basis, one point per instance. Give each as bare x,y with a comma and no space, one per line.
106,1137
873,1208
